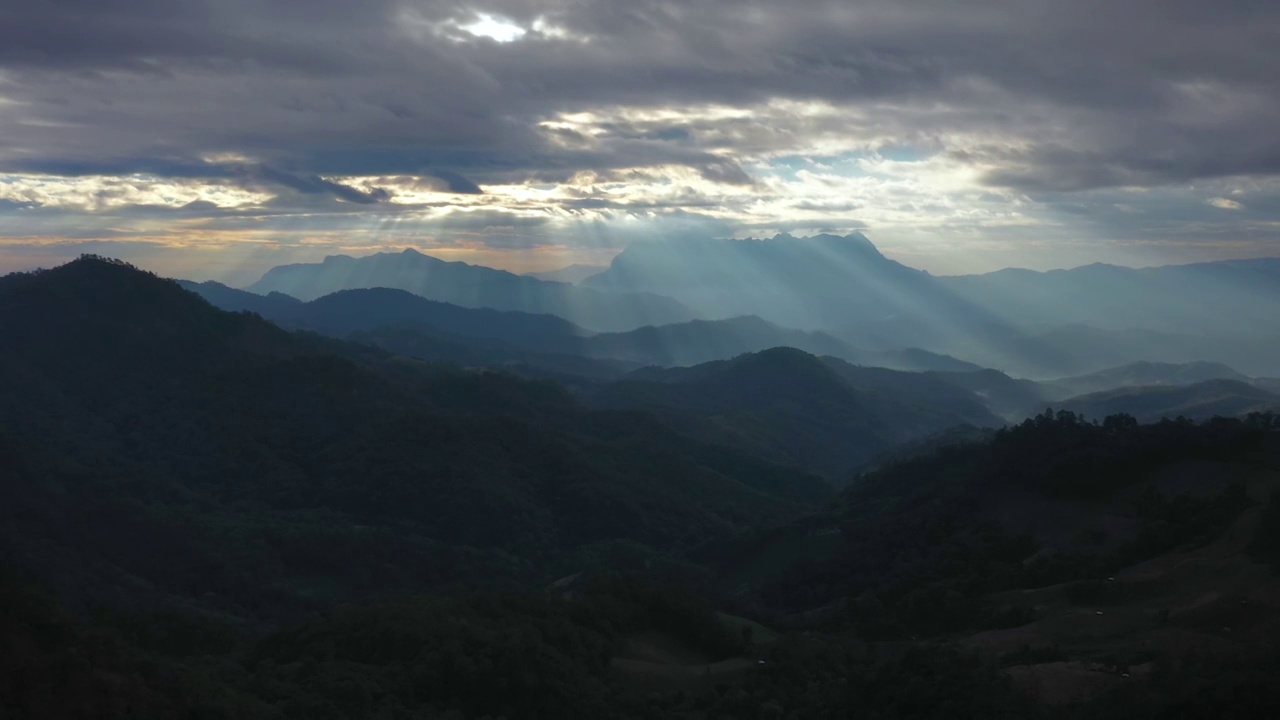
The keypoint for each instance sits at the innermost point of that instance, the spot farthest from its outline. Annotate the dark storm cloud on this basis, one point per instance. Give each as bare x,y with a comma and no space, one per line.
144,34
161,167
316,185
456,183
1071,95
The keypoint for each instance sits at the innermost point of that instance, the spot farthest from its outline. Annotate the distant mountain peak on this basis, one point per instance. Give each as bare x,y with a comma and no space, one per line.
822,282
102,277
473,286
852,241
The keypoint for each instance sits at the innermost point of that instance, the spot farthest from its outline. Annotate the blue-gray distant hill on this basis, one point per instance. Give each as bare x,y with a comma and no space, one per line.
1234,297
405,323
840,285
1197,401
1142,374
823,282
1032,324
472,286
1092,349
572,274
1146,390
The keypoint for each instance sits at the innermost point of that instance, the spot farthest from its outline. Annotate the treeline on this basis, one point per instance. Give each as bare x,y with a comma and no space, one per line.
925,540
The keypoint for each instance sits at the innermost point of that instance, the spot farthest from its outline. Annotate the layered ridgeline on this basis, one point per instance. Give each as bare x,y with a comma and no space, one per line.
1142,374
1231,298
1149,391
826,415
1226,312
403,322
794,408
472,286
1028,324
1197,401
841,285
159,452
546,346
1032,324
205,515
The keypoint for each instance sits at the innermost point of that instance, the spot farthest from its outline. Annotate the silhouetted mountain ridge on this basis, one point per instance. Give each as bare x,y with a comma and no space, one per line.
126,401
448,332
253,523
1025,323
840,285
472,286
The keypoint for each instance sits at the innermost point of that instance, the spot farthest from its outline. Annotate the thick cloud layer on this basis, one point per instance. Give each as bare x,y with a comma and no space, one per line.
1004,124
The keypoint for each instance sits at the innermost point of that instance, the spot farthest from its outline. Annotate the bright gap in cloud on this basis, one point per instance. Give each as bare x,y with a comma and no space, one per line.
495,28
1225,203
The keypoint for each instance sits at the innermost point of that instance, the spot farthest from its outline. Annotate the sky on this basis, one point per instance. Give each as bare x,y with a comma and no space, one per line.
217,138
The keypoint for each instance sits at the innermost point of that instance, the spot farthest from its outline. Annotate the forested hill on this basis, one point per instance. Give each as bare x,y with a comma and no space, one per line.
204,515
158,451
1055,499
792,407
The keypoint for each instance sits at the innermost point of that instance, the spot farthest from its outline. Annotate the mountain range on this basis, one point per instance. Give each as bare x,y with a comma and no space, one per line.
1034,324
528,337
185,404
1227,298
210,513
840,285
545,346
472,286
1025,323
1195,401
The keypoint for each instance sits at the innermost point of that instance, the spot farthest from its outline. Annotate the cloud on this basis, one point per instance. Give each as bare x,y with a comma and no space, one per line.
972,122
1225,204
456,183
725,171
316,185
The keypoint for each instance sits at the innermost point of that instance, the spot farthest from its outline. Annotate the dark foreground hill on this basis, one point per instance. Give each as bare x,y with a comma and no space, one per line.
1112,570
159,451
